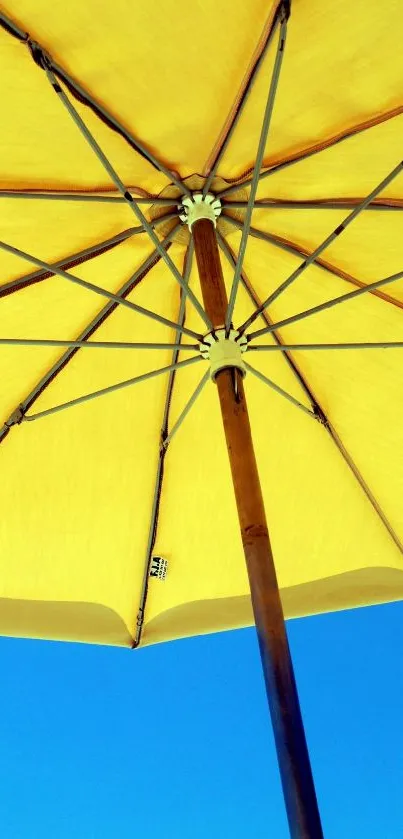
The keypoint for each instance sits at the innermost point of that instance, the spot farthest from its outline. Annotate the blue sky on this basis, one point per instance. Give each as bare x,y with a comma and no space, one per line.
174,741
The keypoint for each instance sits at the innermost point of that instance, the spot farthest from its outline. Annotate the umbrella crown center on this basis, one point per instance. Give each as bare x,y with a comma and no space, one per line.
198,206
224,350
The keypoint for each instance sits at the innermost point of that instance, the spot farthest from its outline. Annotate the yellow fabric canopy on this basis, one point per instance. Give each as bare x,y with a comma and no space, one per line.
78,487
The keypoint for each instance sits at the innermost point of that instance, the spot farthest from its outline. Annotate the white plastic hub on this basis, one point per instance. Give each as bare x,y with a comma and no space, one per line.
224,352
198,206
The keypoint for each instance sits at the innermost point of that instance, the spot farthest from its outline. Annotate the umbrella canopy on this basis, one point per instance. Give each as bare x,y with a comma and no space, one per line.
118,519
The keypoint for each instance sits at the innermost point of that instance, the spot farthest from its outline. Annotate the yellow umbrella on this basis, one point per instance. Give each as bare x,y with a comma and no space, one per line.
208,198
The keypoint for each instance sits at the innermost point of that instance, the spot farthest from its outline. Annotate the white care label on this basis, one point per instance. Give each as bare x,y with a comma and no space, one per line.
159,567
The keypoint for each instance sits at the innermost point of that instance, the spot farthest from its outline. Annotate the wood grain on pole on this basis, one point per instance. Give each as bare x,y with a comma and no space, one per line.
295,769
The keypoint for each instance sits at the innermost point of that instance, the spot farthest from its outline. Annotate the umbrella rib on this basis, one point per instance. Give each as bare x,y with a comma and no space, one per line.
371,345
322,307
265,317
318,410
70,261
296,250
95,394
12,27
320,204
40,56
89,330
258,164
364,486
313,150
97,289
244,98
280,390
152,531
189,405
321,417
130,200
323,245
83,197
105,345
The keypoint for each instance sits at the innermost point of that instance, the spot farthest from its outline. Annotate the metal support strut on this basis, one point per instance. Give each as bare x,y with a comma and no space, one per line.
293,757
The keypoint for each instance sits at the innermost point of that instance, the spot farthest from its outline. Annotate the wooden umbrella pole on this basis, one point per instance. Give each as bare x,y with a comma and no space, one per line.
293,757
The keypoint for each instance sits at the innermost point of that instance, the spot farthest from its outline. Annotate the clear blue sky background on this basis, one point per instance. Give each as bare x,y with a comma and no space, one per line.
173,741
